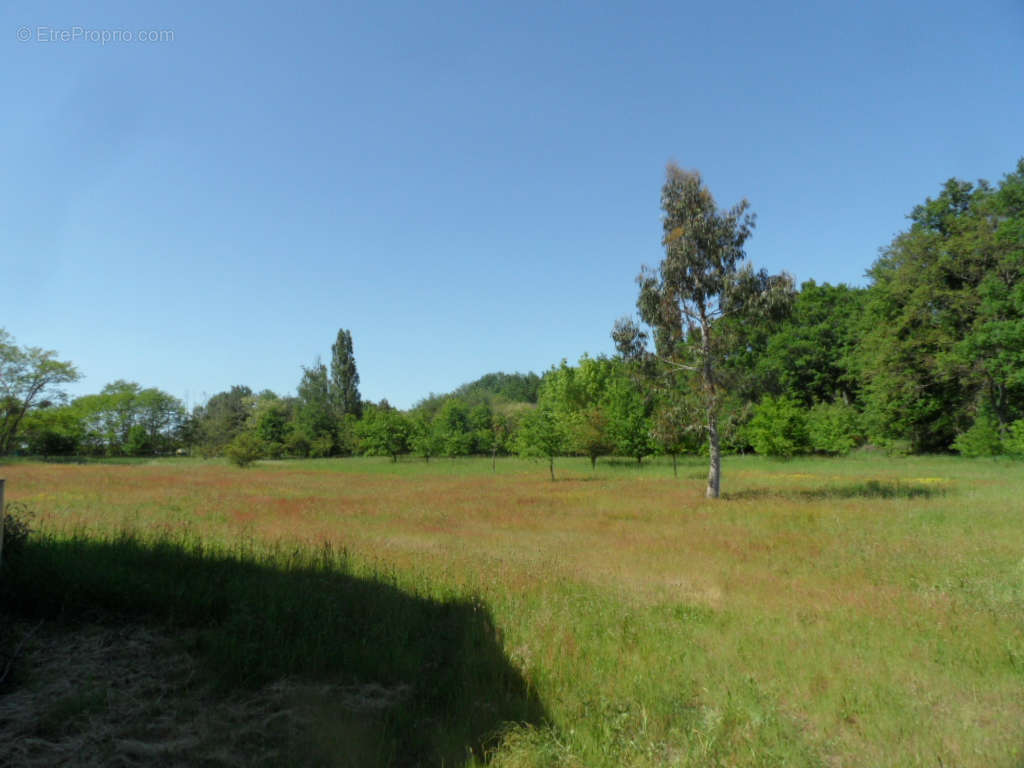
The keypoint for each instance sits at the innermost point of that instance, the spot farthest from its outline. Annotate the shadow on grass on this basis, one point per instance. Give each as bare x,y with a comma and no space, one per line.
871,489
257,618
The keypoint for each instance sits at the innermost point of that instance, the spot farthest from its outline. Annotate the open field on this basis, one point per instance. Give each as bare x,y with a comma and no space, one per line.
862,611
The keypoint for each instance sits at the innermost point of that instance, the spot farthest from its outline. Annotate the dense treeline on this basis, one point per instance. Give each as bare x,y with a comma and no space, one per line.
929,356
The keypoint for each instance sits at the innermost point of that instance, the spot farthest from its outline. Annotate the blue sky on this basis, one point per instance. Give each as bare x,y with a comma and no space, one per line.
468,187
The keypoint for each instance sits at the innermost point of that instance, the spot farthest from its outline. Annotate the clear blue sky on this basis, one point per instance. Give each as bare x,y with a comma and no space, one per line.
467,187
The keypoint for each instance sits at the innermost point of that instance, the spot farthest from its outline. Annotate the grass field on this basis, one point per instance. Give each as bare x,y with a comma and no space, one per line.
863,611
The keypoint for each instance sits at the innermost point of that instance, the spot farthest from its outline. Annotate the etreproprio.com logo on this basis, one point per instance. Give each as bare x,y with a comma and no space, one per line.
80,34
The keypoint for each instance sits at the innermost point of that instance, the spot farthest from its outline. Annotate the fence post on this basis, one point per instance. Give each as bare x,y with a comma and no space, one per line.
2,516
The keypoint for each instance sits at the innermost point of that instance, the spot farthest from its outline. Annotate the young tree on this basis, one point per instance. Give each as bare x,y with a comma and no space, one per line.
542,433
672,429
424,435
344,377
628,409
29,376
700,282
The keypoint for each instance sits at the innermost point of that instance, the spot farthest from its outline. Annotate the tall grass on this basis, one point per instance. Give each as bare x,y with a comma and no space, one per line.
261,613
863,611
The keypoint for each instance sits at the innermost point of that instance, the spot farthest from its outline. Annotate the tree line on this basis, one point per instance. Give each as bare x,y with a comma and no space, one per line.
927,357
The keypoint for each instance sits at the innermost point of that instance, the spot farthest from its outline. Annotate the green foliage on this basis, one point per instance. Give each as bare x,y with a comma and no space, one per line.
314,413
321,447
29,377
700,283
982,439
270,418
494,389
833,428
17,528
811,356
383,431
126,420
944,326
453,428
139,443
244,449
589,434
628,421
344,384
297,444
779,428
542,434
424,438
1013,442
223,417
53,431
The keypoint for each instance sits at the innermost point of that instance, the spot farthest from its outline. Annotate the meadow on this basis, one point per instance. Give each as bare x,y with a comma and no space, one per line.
861,611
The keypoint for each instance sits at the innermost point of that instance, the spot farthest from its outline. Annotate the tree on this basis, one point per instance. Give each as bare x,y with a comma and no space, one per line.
542,433
628,415
700,283
29,377
222,418
344,385
672,429
424,436
314,415
581,399
943,334
811,356
124,418
53,431
453,426
384,431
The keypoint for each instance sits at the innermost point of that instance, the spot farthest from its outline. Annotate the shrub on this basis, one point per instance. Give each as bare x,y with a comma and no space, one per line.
297,445
321,447
778,428
982,439
244,449
1013,442
833,428
17,516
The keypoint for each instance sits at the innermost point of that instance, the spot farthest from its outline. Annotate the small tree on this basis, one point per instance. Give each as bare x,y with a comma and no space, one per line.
424,438
698,284
541,433
244,449
589,434
672,430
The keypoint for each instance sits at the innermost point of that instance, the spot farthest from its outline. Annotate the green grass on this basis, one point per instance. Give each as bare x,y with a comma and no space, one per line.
859,611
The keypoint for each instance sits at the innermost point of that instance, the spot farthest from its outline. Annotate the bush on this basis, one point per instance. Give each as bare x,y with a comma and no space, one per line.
16,528
778,428
244,449
297,445
982,439
833,428
1013,442
321,447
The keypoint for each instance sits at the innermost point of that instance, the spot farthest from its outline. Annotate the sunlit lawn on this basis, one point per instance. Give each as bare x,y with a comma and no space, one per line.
863,611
